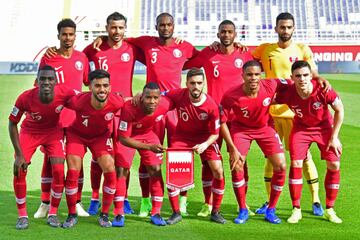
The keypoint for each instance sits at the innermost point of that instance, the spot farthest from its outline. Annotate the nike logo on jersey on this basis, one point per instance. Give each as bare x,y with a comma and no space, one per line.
85,116
215,62
102,57
155,49
57,68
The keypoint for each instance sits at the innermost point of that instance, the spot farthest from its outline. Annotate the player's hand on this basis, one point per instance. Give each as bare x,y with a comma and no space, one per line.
336,145
178,40
136,99
97,43
51,52
19,164
214,46
325,84
241,48
157,148
200,148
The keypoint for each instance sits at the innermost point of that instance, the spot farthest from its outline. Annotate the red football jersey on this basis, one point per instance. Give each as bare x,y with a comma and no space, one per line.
311,113
40,118
250,113
134,121
91,122
196,121
71,71
118,62
164,63
222,71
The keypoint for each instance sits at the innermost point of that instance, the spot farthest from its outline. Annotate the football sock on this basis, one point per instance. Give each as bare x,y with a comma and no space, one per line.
207,179
95,178
295,185
109,188
46,179
218,193
246,176
238,182
127,185
20,193
277,184
157,193
80,184
120,196
71,188
332,184
57,187
174,200
312,177
268,173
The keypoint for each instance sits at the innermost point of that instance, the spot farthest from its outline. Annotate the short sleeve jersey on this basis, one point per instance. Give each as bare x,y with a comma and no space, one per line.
164,63
91,122
250,113
195,121
134,121
277,61
222,71
71,71
311,113
40,118
118,62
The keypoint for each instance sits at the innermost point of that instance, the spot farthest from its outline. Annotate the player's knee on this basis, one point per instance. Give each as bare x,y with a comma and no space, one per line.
218,173
122,172
296,163
154,170
57,160
333,165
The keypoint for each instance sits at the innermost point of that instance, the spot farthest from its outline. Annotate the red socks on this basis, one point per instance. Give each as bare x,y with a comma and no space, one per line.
277,184
295,185
332,184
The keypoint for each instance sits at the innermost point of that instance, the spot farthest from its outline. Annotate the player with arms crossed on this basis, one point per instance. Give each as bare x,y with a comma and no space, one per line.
71,68
276,60
95,111
42,106
250,103
223,70
313,123
198,128
136,132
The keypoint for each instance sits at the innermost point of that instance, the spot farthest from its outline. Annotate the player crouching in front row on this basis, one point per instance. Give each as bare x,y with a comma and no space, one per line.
313,123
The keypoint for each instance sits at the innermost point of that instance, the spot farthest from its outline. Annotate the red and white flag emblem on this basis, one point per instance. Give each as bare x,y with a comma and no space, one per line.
179,169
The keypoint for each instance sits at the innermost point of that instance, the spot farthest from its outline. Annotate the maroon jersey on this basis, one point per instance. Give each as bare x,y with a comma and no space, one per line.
134,121
40,118
91,122
311,113
196,121
118,62
250,113
164,63
71,71
222,71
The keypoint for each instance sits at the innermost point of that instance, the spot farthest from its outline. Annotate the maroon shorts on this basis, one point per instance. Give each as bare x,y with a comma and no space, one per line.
212,153
266,137
124,155
300,142
99,146
52,144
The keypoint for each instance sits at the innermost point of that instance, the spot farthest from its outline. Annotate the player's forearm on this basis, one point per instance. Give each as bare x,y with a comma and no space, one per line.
338,120
212,139
225,133
14,136
130,142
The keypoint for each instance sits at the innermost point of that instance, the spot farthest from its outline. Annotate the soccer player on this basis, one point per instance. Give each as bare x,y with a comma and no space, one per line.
223,70
118,58
164,60
250,103
42,106
313,123
198,128
71,68
95,111
276,59
136,132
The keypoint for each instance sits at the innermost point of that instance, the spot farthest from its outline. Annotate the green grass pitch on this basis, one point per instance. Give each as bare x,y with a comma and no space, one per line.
193,227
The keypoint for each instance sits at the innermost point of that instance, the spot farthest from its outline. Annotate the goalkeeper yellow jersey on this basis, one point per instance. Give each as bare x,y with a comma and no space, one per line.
277,62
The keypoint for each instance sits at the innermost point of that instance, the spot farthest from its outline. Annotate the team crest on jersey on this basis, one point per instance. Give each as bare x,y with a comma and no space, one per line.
109,116
123,126
125,57
15,111
203,116
293,59
177,53
138,125
267,101
317,105
238,63
79,66
158,119
59,108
